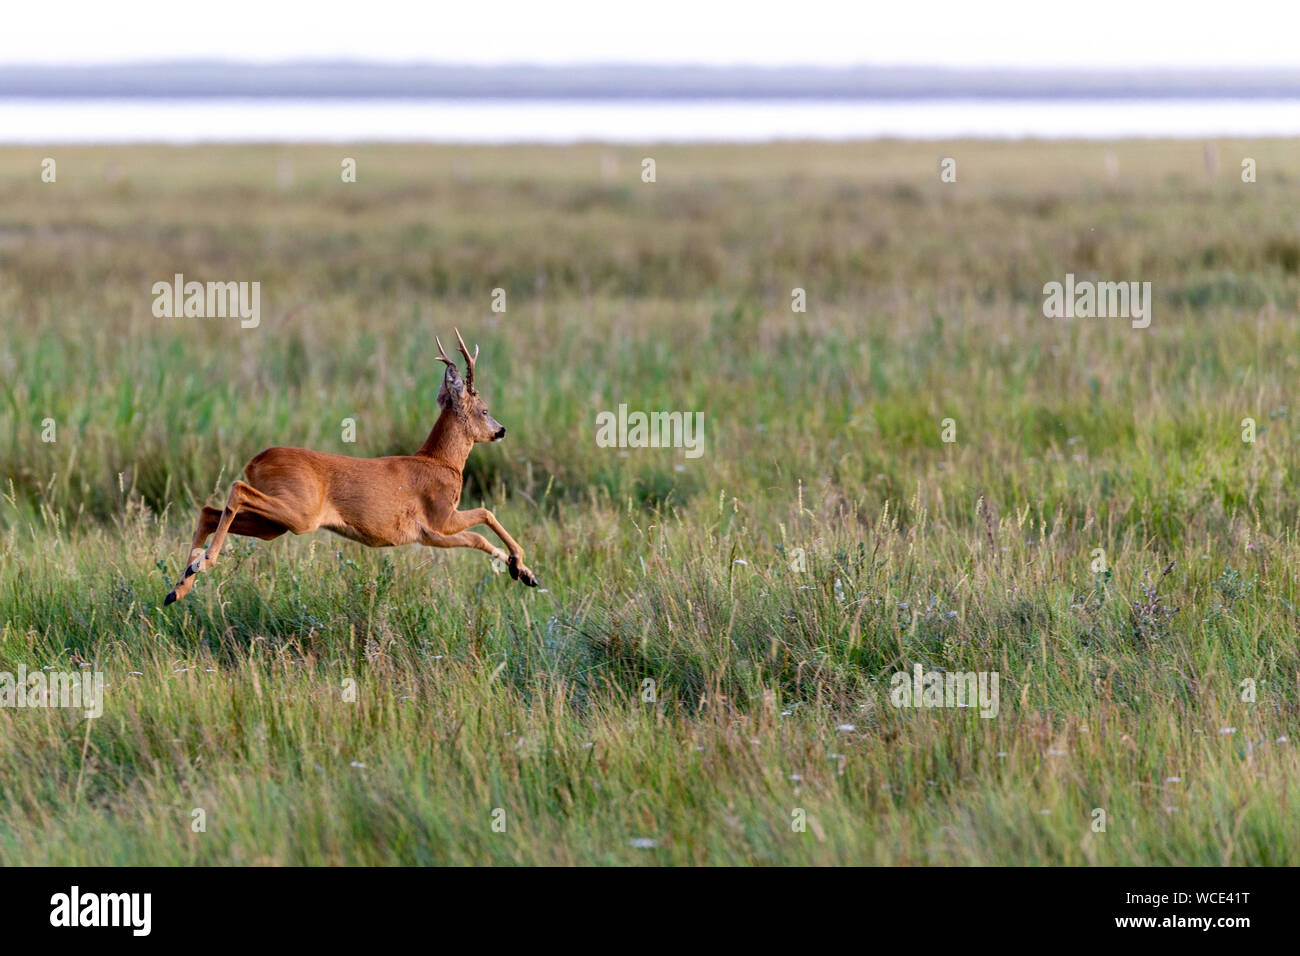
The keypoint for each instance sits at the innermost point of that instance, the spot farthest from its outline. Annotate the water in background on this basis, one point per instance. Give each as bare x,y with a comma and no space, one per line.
40,121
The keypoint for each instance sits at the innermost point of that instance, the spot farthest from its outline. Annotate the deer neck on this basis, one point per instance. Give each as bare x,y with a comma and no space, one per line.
447,443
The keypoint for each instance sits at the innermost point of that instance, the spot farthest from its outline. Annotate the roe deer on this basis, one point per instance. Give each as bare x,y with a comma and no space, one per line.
379,502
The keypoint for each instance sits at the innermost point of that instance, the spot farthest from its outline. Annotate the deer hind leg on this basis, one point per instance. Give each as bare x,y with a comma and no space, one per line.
248,511
247,524
458,521
260,515
208,520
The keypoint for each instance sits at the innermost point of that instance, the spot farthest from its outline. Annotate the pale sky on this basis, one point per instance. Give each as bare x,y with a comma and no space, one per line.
1096,34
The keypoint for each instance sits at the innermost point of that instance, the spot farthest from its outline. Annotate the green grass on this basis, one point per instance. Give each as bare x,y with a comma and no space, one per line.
473,694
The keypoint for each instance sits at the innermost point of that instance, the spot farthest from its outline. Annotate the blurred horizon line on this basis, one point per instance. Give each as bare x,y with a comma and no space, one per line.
364,79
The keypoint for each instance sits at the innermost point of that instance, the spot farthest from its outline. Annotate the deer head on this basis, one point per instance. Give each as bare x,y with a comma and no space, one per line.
459,398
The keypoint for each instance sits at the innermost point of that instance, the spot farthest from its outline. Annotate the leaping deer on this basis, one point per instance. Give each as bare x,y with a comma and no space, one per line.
379,502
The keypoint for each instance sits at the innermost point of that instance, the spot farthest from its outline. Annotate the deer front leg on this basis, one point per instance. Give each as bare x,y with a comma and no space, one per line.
463,539
458,521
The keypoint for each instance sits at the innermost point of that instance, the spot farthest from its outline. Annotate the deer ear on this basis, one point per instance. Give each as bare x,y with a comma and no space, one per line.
453,388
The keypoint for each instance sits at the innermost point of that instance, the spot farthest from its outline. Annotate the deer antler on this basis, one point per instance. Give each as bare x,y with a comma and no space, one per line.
469,363
442,355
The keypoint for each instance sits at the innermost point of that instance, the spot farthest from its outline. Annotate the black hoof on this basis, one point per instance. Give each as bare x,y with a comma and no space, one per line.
526,576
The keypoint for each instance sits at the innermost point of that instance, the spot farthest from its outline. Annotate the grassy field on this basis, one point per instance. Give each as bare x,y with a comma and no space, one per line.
706,676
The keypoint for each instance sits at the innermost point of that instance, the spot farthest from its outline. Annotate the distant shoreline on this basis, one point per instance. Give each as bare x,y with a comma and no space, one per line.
534,121
360,80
